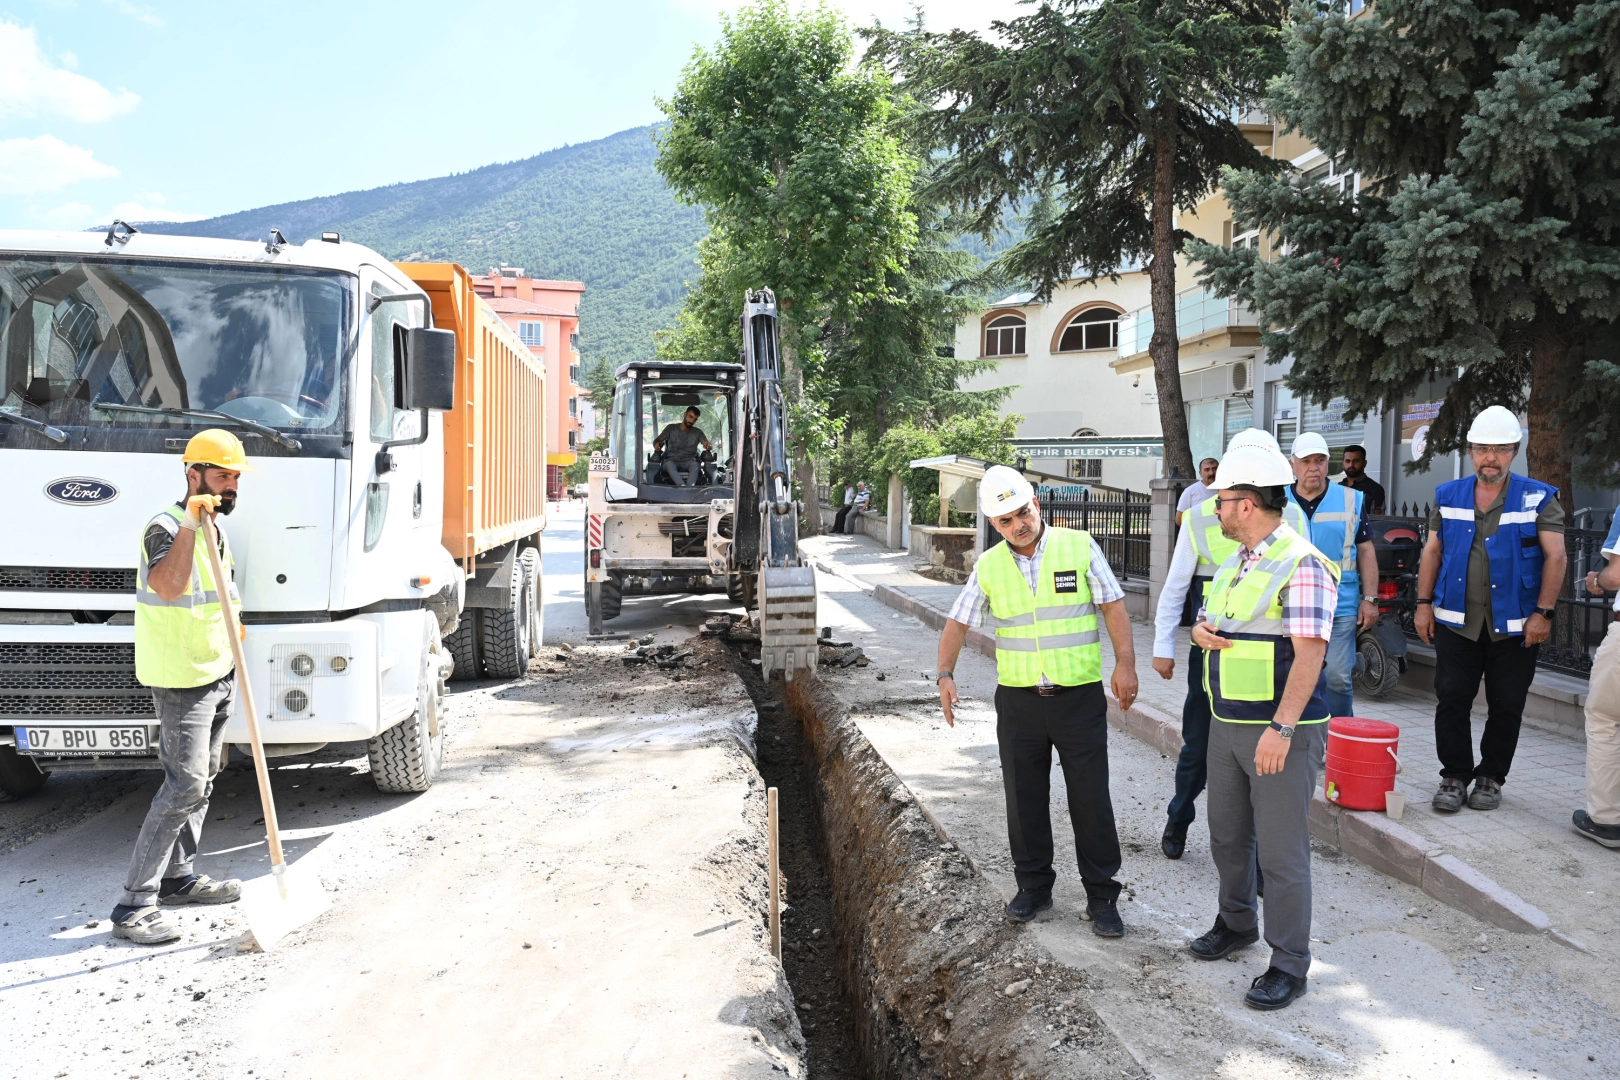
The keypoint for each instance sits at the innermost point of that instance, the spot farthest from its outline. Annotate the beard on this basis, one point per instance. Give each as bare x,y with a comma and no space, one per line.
227,502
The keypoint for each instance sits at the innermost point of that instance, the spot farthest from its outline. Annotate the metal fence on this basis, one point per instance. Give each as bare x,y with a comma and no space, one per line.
1117,525
1581,620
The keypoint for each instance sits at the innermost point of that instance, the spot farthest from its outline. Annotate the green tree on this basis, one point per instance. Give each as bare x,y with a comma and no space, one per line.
1485,250
789,147
981,435
1098,121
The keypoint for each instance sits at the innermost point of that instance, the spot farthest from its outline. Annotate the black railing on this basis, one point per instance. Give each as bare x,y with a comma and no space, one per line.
1117,525
1580,621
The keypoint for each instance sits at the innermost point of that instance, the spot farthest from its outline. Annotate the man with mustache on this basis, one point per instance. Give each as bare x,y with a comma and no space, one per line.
1490,575
1041,591
183,652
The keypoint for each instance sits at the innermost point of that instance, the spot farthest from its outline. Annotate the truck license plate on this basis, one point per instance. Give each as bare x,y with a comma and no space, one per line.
85,741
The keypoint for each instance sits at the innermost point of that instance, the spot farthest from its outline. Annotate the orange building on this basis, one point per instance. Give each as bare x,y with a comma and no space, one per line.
545,315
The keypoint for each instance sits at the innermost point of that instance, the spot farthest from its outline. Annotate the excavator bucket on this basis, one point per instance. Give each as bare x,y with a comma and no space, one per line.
787,619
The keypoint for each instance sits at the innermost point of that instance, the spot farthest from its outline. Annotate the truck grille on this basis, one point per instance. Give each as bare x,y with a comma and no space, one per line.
66,579
66,681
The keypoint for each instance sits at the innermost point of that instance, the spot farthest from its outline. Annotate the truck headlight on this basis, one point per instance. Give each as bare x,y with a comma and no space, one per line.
302,664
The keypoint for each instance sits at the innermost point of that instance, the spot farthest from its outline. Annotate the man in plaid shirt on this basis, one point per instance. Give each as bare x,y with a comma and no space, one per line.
1274,597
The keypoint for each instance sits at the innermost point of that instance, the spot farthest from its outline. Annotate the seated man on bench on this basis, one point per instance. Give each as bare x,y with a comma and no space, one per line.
680,443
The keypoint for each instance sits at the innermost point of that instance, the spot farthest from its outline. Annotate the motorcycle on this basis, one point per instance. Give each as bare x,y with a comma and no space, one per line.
1381,648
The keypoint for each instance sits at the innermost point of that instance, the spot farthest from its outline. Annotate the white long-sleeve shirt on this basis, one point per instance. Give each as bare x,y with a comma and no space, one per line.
1174,595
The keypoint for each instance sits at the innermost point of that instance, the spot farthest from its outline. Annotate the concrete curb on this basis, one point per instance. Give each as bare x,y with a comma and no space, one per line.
1370,838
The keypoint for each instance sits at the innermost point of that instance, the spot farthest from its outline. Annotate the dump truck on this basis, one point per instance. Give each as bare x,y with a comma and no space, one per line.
386,540
724,521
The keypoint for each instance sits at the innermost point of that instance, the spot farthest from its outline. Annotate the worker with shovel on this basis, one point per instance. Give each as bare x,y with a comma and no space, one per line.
183,652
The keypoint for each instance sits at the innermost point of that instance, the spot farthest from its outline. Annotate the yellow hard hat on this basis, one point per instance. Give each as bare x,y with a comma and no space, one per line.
219,448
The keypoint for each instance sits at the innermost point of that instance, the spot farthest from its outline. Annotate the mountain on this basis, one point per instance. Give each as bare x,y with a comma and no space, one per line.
595,212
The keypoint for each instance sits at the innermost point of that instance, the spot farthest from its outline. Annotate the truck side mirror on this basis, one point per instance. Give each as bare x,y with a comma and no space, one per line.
430,369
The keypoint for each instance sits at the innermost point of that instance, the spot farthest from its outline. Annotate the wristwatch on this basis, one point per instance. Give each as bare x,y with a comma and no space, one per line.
1285,730
1547,612
1369,599
943,675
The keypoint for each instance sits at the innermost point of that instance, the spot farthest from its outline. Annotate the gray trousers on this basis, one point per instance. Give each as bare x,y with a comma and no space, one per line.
1273,813
190,745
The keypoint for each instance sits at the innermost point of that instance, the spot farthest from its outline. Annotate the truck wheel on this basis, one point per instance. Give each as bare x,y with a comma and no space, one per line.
462,647
408,756
505,650
19,776
537,612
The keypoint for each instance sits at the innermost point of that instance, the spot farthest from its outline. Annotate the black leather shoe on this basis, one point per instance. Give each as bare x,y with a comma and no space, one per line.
1105,920
1028,903
1276,989
1174,840
1220,941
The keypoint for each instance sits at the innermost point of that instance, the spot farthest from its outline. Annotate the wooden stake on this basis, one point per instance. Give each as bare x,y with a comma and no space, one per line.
775,873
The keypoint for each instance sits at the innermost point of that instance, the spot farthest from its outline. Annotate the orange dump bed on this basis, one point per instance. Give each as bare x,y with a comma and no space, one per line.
495,437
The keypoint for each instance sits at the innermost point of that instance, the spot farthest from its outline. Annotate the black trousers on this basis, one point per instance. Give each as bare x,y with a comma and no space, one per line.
1028,727
838,519
1507,668
1192,767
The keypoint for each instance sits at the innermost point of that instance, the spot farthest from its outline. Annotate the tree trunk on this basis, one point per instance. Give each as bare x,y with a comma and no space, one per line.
1552,354
1164,346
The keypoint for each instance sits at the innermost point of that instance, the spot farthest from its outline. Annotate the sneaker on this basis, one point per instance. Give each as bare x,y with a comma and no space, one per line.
1027,903
1607,835
1104,915
1487,794
198,889
144,926
1449,799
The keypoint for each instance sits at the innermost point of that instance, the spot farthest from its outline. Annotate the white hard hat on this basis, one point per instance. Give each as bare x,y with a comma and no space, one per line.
1255,437
1495,426
1253,466
1308,443
1003,490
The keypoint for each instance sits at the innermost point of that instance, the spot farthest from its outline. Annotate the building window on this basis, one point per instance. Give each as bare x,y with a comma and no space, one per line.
1085,468
573,374
532,334
573,406
573,342
572,438
1094,328
1328,173
1004,336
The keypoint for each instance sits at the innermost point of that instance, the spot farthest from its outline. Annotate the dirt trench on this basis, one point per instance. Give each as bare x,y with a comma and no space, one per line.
900,958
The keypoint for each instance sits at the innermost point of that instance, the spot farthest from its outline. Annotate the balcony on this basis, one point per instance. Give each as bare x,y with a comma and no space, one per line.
1208,326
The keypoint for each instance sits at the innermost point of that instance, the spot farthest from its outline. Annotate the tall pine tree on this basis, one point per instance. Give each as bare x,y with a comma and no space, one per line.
1486,248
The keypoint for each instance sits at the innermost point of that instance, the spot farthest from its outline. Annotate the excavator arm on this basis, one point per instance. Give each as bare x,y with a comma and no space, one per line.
767,517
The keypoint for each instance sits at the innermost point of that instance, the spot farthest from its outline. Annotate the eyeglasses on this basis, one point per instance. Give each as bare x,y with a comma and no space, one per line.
1220,502
1497,450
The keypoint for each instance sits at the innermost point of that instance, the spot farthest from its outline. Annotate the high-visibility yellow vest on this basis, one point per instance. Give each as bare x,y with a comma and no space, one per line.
183,642
1246,681
1052,631
1212,547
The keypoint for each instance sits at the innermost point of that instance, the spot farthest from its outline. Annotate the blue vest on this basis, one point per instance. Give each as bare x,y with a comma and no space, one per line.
1333,533
1514,552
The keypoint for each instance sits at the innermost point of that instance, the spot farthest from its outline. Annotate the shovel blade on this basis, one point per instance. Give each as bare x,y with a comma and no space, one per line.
277,904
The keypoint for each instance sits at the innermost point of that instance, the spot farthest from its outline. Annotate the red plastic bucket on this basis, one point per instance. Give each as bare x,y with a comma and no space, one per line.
1361,762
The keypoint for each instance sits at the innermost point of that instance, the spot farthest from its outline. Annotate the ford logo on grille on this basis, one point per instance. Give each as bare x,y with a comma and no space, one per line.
81,490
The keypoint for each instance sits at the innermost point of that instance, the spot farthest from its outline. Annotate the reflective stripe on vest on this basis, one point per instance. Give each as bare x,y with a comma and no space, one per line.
1245,682
181,643
1047,632
1513,551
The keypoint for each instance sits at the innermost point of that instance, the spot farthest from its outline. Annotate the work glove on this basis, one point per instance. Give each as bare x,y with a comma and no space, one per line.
196,507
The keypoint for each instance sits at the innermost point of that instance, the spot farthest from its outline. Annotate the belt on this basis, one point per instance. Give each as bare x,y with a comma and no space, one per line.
1046,691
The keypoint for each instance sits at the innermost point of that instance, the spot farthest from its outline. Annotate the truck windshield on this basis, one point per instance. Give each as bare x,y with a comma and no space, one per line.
264,343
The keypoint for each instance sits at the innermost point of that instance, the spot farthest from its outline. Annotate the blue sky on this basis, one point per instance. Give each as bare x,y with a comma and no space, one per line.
148,111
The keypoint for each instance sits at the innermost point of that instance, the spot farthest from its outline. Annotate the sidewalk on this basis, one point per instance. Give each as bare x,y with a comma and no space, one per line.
1527,847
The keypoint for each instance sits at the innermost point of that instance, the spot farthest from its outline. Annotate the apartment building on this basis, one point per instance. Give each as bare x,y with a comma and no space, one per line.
545,315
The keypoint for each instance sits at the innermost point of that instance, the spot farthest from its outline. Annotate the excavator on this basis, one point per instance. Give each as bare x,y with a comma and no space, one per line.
684,504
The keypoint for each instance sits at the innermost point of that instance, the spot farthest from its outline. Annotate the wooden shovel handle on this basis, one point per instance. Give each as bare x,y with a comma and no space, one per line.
244,686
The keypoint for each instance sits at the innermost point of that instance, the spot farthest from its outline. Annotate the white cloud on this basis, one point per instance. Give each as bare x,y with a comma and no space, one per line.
46,163
31,85
146,206
135,11
72,215
138,212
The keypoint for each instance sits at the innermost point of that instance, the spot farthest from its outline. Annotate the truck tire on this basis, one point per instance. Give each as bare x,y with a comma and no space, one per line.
408,756
19,776
462,648
505,645
537,608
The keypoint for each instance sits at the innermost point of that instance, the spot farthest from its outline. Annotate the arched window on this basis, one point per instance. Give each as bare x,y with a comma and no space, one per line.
1004,336
1085,468
1093,328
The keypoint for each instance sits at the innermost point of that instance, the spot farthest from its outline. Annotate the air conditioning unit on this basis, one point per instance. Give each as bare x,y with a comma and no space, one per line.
1243,377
